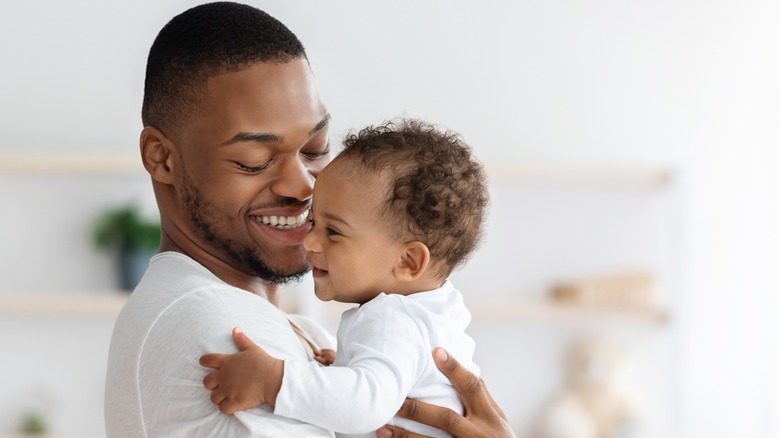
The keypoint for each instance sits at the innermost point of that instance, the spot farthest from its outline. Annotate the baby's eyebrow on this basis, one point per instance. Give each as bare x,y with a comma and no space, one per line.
333,217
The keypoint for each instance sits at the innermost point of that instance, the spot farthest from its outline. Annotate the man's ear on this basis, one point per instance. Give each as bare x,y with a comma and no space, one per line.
157,154
414,261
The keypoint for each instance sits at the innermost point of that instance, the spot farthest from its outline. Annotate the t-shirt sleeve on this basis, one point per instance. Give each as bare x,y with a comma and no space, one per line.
382,357
175,402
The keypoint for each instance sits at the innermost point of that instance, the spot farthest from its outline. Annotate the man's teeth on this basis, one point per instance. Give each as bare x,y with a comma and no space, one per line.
285,222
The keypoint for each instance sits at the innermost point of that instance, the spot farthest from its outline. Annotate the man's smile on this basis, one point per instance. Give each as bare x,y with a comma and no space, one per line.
283,222
287,229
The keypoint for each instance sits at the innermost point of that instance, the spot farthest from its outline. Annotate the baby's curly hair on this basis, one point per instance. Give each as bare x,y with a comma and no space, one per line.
437,191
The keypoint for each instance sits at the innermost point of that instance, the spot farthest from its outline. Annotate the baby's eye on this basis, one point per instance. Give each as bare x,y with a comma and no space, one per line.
332,232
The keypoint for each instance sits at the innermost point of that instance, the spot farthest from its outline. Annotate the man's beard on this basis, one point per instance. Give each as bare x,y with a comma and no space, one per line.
204,216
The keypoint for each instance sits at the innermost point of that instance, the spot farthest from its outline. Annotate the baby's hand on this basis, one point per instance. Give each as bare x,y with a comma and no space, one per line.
325,356
242,380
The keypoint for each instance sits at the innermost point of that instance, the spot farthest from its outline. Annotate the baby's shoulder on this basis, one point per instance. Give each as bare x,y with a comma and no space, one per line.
392,309
386,304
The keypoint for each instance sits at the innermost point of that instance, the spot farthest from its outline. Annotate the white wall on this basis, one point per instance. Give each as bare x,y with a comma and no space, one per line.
689,84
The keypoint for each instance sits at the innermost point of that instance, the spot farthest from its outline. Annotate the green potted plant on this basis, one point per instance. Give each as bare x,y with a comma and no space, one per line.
33,424
134,237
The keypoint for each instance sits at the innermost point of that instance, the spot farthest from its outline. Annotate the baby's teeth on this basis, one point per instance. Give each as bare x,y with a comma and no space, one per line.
274,221
291,220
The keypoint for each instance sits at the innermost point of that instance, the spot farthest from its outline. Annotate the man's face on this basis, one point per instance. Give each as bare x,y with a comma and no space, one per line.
248,166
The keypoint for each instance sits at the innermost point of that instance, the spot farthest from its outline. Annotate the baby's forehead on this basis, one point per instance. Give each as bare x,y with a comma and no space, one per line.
356,172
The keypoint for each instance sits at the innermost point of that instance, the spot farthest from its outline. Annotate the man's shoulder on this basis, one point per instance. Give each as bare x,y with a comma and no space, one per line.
177,298
174,282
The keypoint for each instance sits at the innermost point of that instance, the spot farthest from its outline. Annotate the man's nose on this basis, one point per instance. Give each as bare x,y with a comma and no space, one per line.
294,180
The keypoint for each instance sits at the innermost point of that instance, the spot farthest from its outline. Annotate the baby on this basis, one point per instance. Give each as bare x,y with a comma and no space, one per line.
392,216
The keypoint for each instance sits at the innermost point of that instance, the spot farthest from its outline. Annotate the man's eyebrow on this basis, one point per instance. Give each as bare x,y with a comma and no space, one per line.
242,137
321,124
263,137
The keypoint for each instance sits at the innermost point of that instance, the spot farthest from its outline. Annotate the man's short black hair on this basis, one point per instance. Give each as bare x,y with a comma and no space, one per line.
202,42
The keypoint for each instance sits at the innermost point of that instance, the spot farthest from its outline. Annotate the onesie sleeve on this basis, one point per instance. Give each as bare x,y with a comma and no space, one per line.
382,352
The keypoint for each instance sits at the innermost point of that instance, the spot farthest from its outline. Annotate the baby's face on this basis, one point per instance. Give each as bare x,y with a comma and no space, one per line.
349,247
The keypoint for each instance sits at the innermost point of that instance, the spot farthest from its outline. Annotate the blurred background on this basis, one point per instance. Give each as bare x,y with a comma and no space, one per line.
627,285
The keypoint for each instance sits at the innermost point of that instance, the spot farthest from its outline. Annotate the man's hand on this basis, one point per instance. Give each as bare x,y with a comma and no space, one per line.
243,380
326,356
483,418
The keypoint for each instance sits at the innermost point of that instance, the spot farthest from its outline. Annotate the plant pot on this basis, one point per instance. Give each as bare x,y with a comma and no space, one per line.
132,266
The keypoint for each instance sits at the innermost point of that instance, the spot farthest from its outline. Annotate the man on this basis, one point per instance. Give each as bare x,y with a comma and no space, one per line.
234,136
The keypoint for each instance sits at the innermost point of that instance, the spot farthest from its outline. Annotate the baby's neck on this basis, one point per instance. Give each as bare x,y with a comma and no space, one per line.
415,286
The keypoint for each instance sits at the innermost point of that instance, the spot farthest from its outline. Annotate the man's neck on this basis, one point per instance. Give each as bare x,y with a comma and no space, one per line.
224,271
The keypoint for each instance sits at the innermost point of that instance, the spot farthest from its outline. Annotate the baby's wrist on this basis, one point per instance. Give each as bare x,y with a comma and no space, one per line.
274,382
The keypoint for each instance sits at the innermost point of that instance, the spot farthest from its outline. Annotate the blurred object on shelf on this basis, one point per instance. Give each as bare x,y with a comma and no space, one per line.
33,424
593,404
136,238
633,290
36,409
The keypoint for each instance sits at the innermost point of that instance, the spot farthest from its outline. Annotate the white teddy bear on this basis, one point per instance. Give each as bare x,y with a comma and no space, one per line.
593,405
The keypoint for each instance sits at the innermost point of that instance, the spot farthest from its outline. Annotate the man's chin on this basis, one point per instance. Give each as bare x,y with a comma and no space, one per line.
281,278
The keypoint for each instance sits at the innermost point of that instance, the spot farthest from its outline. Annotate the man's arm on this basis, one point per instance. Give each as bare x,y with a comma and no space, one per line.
175,403
483,418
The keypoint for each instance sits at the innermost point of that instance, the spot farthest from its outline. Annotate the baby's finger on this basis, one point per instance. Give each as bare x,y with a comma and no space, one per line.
213,360
211,381
241,340
228,407
217,397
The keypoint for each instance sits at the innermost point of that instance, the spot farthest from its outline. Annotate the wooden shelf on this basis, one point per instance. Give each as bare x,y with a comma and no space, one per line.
545,311
548,311
45,435
515,171
562,174
99,304
539,311
71,164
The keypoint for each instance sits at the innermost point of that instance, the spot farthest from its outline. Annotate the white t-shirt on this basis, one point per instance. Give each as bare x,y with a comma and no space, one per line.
180,311
384,355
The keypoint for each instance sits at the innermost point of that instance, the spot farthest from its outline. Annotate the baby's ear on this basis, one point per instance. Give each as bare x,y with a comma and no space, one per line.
414,261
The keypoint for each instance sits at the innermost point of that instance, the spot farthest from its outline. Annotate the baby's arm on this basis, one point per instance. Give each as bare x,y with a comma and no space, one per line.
245,379
383,356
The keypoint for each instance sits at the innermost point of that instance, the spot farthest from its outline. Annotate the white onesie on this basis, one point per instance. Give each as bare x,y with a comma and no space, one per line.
384,355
